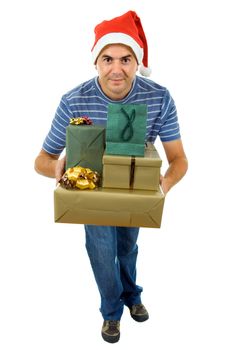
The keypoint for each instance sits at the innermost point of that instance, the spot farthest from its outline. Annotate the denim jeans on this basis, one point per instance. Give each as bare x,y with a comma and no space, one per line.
113,254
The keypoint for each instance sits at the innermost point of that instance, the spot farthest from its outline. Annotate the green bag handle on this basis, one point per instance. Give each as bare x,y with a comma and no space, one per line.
128,129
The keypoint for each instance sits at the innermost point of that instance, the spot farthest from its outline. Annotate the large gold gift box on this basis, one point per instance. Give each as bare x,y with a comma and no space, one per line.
110,207
140,173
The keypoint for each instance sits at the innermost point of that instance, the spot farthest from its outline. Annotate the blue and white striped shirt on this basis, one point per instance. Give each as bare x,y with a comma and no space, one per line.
89,100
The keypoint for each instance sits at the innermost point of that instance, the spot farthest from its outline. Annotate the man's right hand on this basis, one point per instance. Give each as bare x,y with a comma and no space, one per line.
49,165
60,169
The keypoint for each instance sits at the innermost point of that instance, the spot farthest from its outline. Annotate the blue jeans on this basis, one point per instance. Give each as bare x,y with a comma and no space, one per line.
113,254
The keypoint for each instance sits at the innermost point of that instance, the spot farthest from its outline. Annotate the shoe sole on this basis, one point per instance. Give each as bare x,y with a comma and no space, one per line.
141,318
111,339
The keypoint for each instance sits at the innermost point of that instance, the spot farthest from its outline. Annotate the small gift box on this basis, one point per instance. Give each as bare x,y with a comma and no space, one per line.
141,173
126,129
85,145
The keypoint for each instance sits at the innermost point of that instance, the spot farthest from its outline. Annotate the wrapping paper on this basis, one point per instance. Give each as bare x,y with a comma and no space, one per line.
85,146
128,172
109,207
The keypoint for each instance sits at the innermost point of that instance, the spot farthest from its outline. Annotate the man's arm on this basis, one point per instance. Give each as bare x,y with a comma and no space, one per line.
49,165
178,164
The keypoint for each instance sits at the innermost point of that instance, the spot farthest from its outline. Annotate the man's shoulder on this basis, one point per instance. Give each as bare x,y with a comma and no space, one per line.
150,85
82,89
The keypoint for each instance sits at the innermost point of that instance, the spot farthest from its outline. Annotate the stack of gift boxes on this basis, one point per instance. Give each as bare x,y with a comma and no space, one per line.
129,192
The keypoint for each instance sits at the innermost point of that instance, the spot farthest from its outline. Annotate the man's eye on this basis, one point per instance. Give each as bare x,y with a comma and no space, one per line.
107,59
125,60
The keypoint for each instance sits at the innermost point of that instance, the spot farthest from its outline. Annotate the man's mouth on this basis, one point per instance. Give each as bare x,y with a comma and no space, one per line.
116,80
115,77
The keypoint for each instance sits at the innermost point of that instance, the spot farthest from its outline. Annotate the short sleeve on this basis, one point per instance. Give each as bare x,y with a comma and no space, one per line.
55,141
169,129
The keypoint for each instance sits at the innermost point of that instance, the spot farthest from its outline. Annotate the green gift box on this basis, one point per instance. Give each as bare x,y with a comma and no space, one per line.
140,173
126,129
85,146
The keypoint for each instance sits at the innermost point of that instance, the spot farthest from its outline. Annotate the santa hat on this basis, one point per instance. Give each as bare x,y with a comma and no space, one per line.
126,29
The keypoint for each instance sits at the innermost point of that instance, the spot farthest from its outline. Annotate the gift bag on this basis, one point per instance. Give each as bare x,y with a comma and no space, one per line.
126,129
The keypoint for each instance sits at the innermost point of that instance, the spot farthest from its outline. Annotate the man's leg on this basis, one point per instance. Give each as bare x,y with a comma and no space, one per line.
127,251
101,245
127,256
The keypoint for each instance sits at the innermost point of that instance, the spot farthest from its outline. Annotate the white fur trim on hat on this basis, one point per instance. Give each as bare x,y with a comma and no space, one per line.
117,38
145,71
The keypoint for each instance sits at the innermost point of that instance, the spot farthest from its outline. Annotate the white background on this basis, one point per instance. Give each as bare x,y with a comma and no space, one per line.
48,297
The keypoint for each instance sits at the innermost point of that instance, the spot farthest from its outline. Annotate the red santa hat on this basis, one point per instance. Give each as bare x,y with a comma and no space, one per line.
126,29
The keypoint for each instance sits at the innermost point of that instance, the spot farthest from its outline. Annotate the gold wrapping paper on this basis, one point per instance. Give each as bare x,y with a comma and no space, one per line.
117,170
109,207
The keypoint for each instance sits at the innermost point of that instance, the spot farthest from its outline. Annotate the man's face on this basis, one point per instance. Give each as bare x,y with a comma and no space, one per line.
116,66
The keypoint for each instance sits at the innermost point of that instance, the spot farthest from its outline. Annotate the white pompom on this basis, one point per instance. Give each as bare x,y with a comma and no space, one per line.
145,71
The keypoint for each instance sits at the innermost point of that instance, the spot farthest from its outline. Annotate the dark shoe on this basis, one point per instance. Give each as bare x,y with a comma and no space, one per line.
139,313
111,331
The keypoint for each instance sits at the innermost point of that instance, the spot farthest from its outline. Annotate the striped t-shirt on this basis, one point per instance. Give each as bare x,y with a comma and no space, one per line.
89,100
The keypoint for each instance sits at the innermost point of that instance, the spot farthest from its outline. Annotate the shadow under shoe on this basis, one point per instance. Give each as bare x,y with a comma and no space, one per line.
111,331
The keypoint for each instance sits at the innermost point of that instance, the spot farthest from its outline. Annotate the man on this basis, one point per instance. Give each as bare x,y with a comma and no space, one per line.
120,47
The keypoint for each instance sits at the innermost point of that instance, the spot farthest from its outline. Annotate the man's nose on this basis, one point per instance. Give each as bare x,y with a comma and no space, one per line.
116,66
